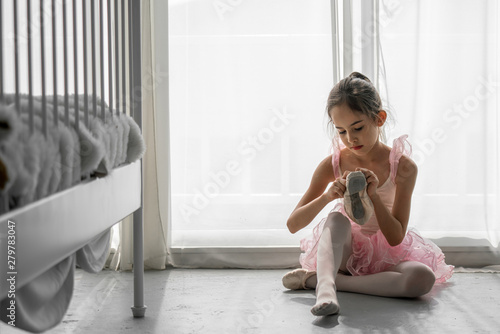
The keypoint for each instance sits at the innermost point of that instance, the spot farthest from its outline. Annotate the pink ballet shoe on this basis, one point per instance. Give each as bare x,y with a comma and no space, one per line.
357,203
296,280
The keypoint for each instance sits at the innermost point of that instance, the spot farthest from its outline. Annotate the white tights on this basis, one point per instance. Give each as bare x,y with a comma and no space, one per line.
407,279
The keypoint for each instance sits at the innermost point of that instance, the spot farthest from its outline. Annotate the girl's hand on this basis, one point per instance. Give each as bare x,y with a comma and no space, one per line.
338,188
371,180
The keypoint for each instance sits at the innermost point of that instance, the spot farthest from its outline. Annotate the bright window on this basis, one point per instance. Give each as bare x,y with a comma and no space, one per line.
248,86
441,61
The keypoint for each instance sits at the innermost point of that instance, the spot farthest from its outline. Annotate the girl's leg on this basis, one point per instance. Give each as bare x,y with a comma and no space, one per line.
407,279
333,251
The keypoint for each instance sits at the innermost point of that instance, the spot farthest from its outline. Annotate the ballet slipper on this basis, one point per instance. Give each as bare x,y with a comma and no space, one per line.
357,203
296,279
329,308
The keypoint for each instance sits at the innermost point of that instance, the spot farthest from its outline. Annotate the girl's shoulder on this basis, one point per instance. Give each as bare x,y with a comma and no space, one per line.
403,168
407,170
326,165
323,175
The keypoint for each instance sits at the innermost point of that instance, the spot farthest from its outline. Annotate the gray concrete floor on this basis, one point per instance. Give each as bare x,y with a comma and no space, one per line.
254,301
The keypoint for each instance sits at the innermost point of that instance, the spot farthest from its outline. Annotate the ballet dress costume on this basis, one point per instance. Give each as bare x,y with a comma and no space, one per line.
371,253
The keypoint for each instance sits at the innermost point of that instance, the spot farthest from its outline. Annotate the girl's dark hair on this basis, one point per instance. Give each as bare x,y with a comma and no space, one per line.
358,92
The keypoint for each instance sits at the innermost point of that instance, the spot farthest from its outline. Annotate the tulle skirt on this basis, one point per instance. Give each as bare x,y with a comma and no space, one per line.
372,253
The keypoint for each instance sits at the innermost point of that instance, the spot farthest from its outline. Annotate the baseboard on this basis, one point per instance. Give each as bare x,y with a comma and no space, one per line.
475,256
235,257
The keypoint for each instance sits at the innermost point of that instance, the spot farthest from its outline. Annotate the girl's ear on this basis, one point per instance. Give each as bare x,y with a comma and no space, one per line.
382,117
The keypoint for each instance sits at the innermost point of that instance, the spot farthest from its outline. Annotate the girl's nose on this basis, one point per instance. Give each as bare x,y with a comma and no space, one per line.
351,138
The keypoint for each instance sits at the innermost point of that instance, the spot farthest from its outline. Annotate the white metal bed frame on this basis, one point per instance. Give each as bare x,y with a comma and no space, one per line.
55,227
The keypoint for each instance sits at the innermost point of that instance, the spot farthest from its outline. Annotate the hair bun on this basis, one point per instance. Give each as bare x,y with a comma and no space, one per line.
359,76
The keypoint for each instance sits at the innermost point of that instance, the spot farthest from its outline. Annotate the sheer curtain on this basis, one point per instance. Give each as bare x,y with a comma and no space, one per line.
441,62
155,124
248,85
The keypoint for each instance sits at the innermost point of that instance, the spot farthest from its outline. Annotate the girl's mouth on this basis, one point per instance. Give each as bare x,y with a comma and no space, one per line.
357,147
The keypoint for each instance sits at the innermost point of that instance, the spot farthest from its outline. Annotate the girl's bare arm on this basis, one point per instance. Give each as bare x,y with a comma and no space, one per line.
394,224
315,198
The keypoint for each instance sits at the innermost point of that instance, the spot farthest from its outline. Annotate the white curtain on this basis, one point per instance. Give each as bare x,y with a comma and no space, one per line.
442,75
155,161
248,87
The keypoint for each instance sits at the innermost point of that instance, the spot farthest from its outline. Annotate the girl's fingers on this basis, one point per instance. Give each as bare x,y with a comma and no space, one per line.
338,187
365,171
368,173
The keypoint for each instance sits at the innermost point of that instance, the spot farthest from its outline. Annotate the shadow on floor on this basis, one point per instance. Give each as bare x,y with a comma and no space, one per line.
366,312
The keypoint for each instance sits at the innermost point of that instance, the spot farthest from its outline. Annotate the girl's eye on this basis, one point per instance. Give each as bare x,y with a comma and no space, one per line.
343,132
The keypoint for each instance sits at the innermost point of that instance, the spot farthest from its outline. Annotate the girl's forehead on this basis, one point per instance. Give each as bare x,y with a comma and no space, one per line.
344,116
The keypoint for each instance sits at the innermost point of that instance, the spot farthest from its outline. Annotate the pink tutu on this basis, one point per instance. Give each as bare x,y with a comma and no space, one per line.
372,253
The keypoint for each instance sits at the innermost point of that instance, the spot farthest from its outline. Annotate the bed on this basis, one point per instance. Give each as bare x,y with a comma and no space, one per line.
70,149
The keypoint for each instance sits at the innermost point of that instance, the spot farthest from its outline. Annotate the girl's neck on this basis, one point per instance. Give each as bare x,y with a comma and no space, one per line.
377,153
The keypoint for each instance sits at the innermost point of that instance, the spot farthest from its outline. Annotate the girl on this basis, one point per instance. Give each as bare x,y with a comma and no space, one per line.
379,257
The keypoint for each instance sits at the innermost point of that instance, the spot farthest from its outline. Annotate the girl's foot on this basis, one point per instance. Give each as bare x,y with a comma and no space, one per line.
296,280
326,301
327,308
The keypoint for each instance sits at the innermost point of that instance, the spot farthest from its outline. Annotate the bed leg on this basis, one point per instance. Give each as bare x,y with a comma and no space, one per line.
139,309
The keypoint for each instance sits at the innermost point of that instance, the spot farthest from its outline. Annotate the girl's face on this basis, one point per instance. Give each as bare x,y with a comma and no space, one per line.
358,132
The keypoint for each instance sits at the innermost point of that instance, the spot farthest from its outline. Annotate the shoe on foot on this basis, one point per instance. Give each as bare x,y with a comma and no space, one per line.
357,203
296,280
325,309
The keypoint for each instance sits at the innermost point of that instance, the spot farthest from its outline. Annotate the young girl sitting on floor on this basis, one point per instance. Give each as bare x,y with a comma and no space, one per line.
370,252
